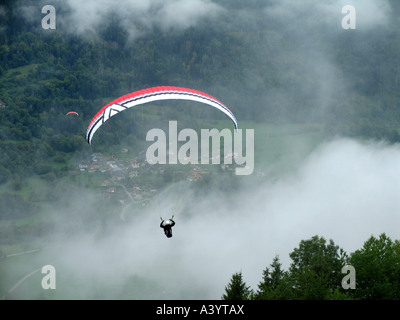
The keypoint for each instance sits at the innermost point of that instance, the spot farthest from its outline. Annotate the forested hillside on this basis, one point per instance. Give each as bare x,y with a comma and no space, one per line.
46,73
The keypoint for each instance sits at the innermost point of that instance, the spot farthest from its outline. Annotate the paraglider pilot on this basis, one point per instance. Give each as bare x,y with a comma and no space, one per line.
167,226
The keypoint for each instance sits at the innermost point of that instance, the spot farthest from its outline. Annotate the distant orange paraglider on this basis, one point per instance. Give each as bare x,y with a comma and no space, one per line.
72,112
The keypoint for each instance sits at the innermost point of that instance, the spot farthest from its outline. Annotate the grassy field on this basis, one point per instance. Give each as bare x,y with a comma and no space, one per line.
279,149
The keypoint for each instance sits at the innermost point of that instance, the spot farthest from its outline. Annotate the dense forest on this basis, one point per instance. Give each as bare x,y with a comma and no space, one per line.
46,73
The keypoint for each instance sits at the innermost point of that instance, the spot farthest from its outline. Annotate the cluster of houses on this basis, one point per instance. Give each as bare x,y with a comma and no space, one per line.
120,173
118,169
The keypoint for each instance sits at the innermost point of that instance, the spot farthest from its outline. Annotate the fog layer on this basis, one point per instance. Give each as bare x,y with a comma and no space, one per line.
345,191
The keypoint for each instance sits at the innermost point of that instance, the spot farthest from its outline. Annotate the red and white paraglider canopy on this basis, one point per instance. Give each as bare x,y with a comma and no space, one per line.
153,94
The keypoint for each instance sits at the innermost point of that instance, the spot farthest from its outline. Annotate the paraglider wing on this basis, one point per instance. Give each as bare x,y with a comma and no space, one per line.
152,94
72,112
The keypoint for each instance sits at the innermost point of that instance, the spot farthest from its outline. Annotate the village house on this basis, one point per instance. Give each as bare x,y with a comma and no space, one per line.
133,174
83,166
117,173
135,164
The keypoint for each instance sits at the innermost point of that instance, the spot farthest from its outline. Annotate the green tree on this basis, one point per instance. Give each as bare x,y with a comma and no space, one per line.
275,284
316,269
4,174
237,289
16,183
377,267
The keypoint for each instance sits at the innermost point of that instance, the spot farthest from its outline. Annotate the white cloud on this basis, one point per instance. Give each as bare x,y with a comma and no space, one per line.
311,14
85,17
345,191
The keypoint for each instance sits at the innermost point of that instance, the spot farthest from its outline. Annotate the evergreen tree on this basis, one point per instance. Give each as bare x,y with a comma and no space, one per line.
237,289
275,284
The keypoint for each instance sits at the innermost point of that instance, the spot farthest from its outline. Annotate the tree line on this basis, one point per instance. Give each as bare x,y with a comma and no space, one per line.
46,73
316,273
